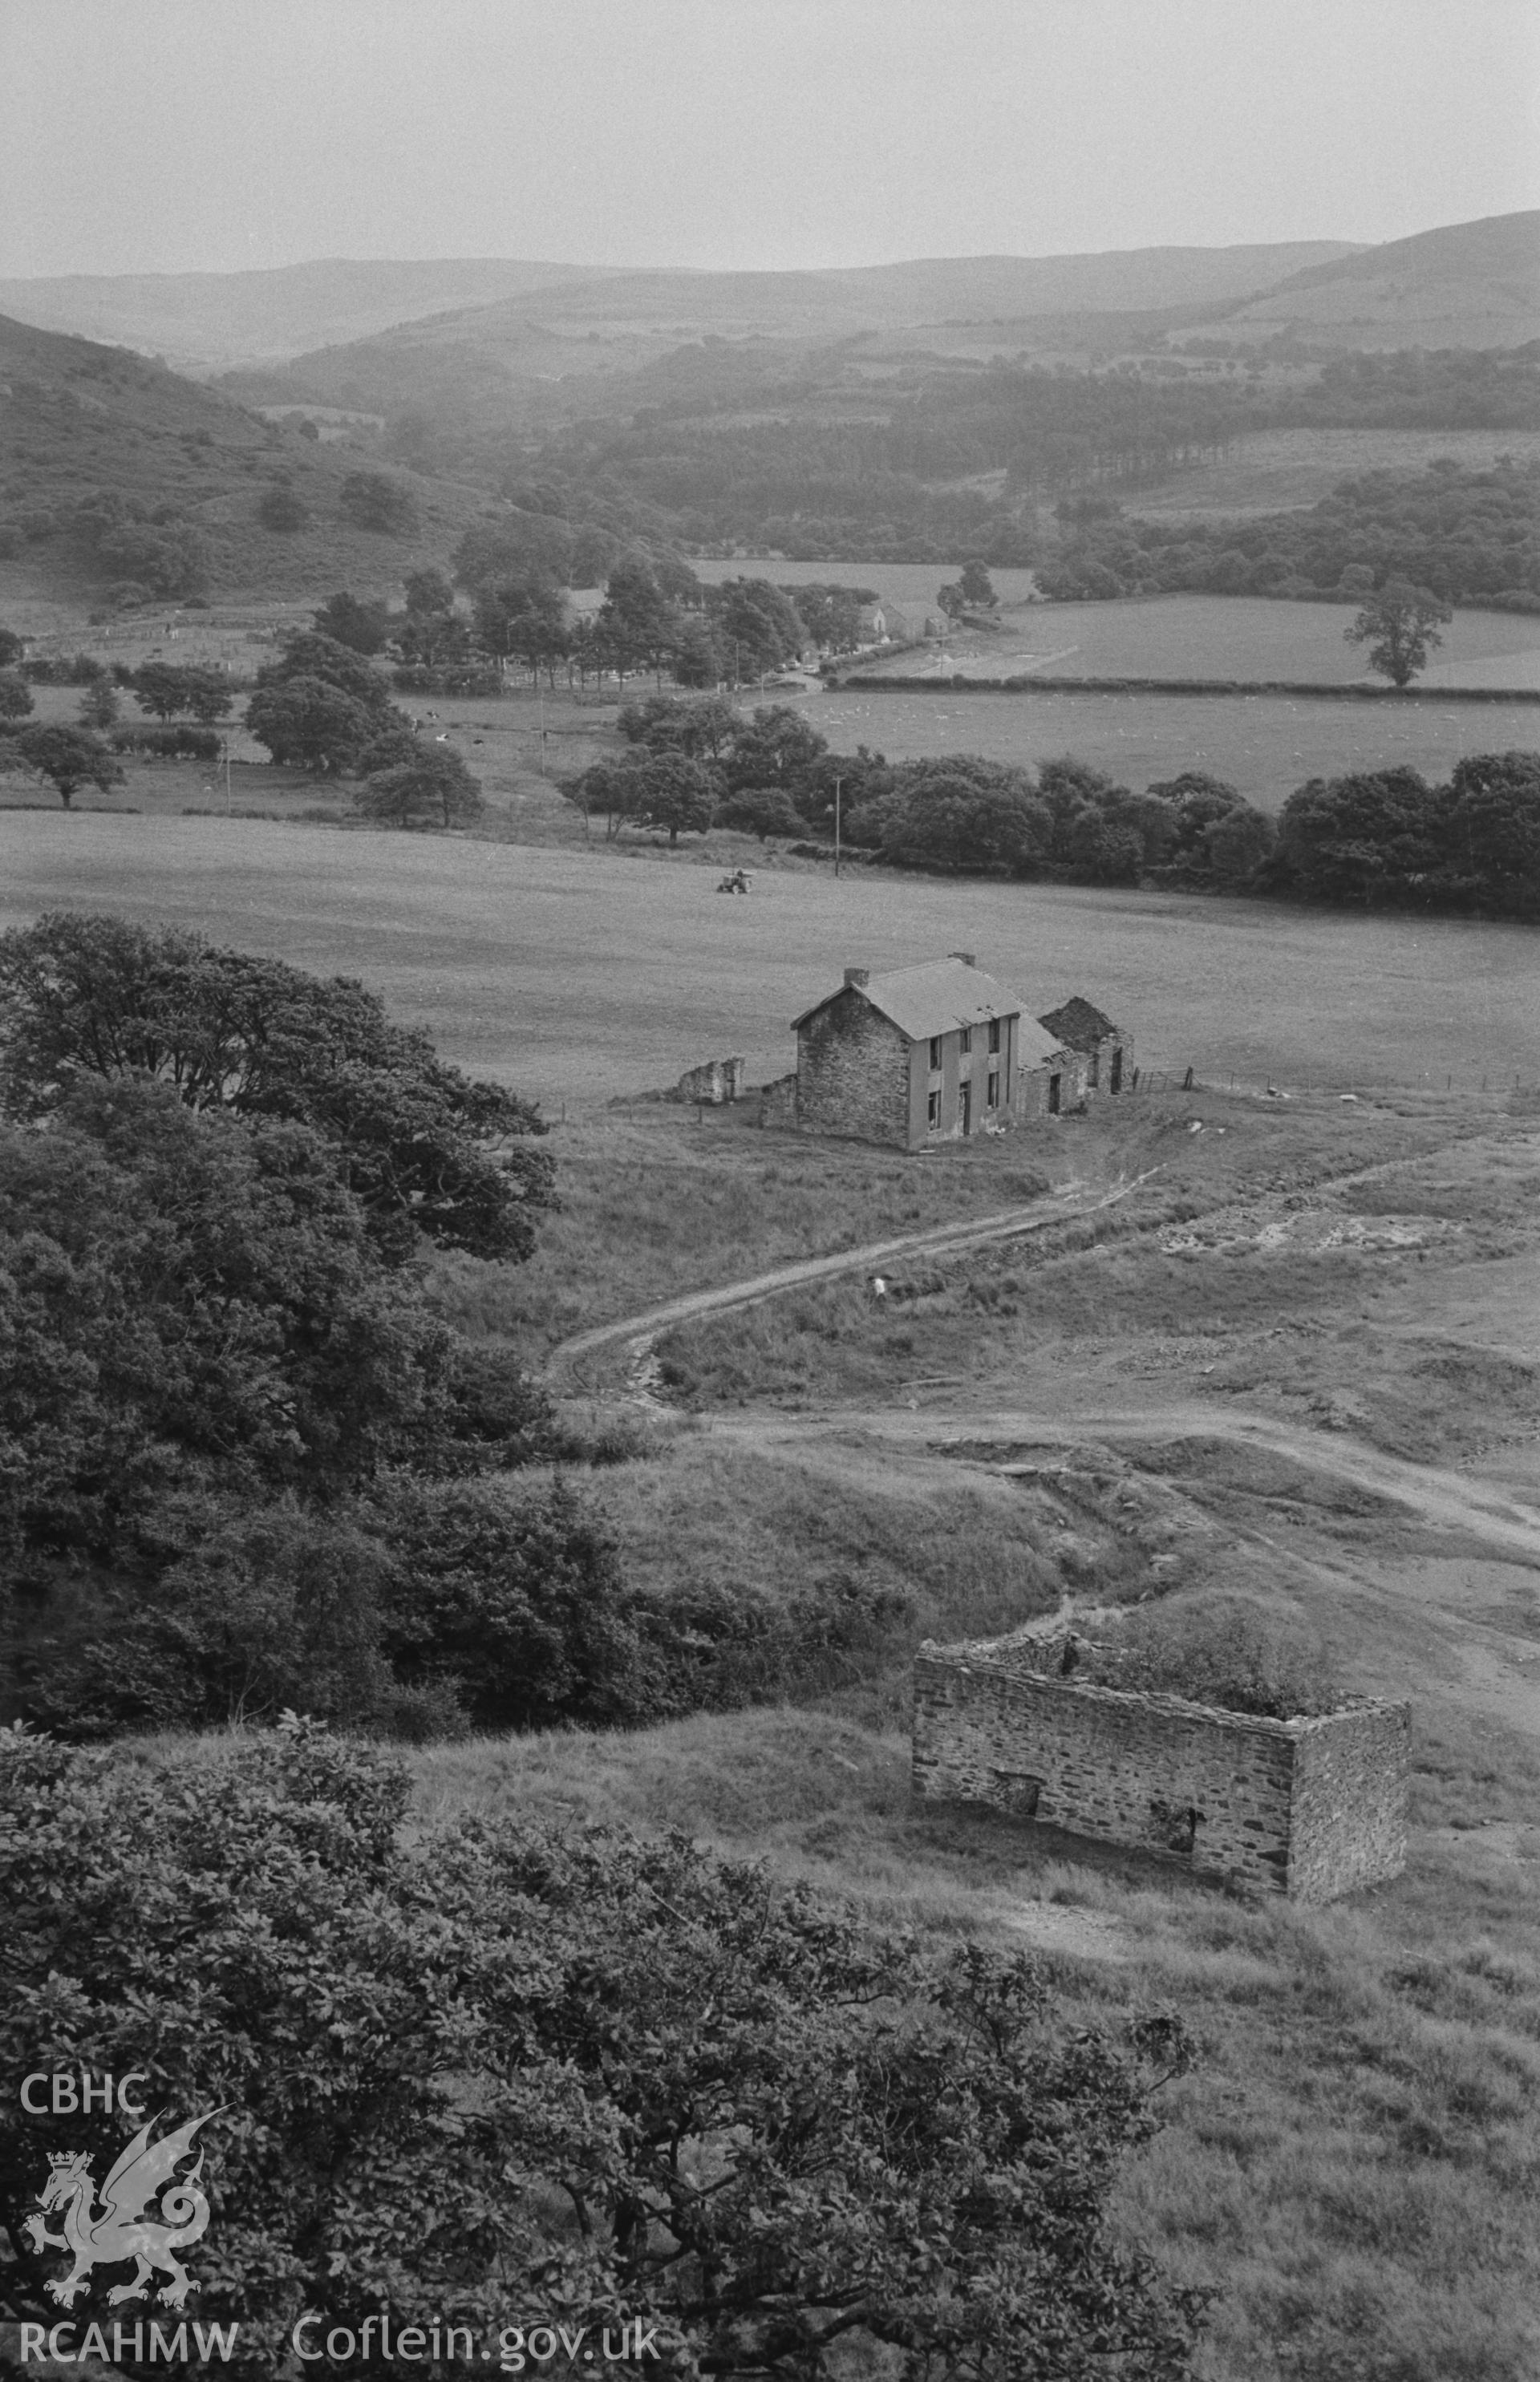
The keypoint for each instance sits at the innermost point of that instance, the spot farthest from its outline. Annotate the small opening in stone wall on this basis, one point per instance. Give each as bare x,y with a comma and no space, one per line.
1016,1792
1175,1826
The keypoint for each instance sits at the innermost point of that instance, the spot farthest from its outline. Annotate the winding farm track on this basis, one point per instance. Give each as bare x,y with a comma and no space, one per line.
1008,1223
1492,1513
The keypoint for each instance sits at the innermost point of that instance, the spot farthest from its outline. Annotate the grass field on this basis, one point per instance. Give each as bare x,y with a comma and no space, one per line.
582,975
1232,637
1264,745
1275,471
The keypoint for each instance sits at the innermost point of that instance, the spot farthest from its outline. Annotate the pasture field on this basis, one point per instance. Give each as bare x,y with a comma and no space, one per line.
896,583
579,975
1264,745
1278,471
1231,637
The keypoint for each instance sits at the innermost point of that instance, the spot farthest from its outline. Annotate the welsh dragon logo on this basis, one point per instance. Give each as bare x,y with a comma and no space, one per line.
144,2171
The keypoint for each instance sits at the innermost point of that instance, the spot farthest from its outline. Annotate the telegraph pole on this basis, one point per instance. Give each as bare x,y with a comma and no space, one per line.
837,783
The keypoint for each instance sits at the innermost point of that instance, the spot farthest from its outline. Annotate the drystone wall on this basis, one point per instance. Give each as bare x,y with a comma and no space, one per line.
1310,1808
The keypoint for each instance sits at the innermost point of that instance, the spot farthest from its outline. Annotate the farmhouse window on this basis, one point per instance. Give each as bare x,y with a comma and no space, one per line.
967,1041
933,1111
994,1033
1094,1076
935,1049
991,1095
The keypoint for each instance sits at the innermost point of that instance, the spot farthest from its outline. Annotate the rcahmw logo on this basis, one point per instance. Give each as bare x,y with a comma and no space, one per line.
147,2212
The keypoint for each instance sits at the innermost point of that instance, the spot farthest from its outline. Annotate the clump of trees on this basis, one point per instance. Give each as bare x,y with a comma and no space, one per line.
1388,839
1461,535
217,1178
637,2086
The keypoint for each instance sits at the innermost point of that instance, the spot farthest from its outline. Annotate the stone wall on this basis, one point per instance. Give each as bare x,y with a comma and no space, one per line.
716,1081
1309,1807
852,1074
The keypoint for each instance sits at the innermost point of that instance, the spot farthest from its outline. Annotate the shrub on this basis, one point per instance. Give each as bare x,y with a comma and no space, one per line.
476,2071
179,743
280,509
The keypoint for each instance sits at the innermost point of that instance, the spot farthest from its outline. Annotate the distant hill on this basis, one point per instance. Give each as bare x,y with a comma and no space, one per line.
1474,284
212,322
144,449
620,324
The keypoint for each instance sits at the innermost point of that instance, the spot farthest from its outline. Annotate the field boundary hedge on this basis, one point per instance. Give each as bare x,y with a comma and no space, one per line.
877,682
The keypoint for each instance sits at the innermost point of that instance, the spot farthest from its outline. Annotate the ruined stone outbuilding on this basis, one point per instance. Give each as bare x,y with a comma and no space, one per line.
1104,1052
921,1054
716,1081
1311,1807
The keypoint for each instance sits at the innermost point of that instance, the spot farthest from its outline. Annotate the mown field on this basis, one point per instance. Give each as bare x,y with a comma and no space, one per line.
580,976
1264,745
1232,637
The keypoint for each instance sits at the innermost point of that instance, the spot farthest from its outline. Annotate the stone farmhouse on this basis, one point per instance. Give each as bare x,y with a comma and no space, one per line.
920,1054
1105,1052
1309,1807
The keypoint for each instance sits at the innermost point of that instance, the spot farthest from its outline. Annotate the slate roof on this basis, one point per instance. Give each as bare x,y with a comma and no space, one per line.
940,995
1077,1025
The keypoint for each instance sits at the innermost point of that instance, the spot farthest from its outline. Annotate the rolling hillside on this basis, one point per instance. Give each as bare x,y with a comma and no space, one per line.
97,443
212,322
1474,284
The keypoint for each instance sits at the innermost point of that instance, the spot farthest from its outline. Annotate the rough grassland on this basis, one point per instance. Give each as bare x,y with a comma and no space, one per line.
580,976
1273,470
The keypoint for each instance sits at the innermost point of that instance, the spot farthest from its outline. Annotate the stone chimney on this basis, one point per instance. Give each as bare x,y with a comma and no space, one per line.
967,958
857,976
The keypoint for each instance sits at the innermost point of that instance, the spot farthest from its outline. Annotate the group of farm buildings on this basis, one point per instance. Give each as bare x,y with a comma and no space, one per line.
938,1052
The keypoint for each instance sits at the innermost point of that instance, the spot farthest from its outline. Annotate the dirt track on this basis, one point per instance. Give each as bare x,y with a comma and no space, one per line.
1008,1223
1449,1501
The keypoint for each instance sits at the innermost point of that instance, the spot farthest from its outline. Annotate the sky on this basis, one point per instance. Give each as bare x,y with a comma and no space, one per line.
174,136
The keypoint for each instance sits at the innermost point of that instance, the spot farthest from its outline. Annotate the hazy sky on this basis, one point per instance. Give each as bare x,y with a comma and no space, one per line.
181,135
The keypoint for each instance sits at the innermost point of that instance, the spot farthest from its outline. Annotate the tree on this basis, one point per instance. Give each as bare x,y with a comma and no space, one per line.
977,587
69,757
353,621
673,791
779,746
15,695
525,619
99,707
12,647
372,500
434,788
1371,836
613,789
1399,624
518,1599
161,689
636,621
279,508
191,1302
310,655
964,813
309,721
763,811
432,1155
665,723
471,2071
1491,827
756,626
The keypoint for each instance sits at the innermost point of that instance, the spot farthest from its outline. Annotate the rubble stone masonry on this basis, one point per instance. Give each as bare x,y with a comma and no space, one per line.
1311,1807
